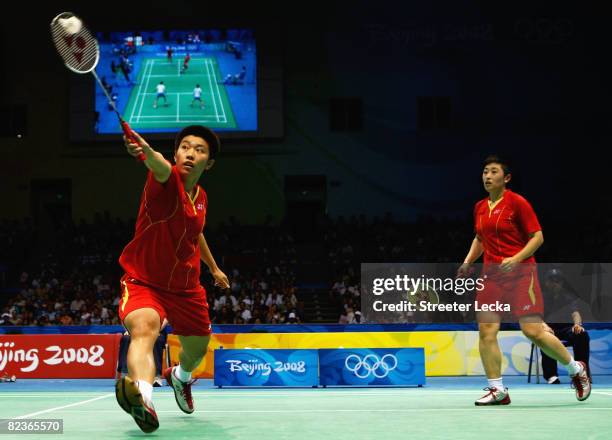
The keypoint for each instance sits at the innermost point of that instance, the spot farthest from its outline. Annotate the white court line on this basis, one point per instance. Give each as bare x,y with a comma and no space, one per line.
218,90
212,94
319,392
148,77
61,407
212,67
178,101
359,410
139,89
322,393
166,76
172,116
177,93
191,120
139,96
146,87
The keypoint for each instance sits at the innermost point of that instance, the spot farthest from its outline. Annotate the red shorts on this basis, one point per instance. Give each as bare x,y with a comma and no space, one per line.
187,314
519,288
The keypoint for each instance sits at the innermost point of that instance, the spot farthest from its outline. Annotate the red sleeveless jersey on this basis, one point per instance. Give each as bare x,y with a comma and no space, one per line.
504,228
165,252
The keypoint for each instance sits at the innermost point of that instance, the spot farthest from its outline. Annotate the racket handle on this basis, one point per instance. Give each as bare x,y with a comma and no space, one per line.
129,134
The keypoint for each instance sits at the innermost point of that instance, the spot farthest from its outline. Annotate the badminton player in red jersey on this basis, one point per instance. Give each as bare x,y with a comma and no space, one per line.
162,271
508,234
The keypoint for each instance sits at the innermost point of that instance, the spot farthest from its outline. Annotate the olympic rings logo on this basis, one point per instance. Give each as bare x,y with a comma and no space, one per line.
371,365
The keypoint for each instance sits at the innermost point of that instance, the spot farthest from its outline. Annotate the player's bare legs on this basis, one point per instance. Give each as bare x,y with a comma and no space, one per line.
533,327
490,354
144,327
491,357
193,350
134,392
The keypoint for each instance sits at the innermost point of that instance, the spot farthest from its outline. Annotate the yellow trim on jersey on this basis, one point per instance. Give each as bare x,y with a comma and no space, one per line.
125,297
492,205
531,290
195,197
497,233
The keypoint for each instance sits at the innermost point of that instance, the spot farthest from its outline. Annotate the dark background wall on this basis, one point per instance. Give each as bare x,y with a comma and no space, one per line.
529,81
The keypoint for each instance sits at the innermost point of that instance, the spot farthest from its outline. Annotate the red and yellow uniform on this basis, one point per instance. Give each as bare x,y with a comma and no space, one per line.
504,228
162,262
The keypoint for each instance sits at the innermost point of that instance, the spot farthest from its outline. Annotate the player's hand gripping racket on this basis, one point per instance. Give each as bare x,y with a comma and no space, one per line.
80,52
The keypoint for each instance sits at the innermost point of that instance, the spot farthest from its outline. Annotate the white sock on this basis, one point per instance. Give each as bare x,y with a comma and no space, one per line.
146,389
574,367
496,383
182,375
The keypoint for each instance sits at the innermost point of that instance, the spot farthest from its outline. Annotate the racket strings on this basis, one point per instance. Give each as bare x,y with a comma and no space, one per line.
79,51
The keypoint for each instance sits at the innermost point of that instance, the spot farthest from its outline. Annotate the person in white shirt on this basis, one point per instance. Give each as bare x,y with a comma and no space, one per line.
274,297
229,299
197,96
161,93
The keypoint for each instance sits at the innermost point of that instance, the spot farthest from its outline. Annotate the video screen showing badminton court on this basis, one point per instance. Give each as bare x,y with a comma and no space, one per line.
164,80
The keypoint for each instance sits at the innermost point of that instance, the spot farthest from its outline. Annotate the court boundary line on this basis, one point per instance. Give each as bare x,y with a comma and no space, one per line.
218,92
176,93
212,93
166,76
61,407
146,87
356,410
181,121
172,116
212,65
328,392
139,89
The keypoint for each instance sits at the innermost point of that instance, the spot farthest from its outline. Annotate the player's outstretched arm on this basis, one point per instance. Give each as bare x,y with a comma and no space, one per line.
154,161
206,256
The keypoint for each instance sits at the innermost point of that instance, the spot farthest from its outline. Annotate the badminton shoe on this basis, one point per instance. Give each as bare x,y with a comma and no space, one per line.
582,383
494,397
182,390
129,398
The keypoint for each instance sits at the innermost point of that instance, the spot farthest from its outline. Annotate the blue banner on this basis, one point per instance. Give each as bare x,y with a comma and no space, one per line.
372,366
267,368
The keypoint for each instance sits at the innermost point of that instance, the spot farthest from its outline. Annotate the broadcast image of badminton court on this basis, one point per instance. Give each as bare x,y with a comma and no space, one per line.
178,108
156,77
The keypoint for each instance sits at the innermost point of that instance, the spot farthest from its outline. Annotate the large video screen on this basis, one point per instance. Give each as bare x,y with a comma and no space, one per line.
163,80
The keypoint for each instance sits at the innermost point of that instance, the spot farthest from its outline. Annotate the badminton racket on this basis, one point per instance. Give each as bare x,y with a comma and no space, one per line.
80,52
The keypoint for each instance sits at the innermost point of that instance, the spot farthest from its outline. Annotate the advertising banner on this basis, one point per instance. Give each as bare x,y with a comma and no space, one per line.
372,366
59,356
267,368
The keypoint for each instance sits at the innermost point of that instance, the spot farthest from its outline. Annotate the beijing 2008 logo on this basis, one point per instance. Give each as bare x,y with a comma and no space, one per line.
371,365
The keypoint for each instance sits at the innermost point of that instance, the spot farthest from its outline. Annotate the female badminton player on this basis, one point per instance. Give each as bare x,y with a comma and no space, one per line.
508,233
162,271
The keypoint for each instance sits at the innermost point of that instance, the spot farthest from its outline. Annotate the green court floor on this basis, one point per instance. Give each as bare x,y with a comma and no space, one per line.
177,110
442,410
